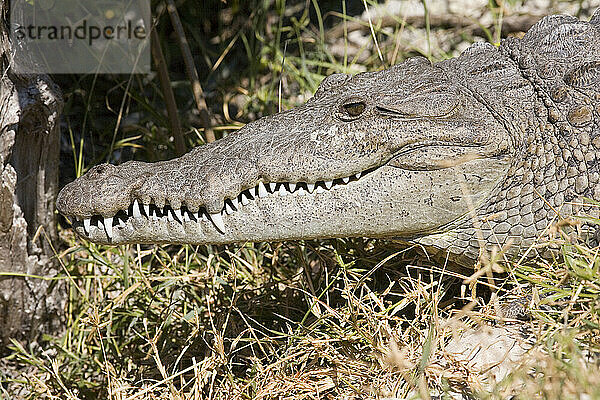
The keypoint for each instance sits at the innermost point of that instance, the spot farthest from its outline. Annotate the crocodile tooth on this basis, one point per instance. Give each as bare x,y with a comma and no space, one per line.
136,209
301,191
243,199
217,219
235,203
328,184
346,179
170,215
272,187
262,190
228,208
320,189
179,214
358,174
186,216
310,187
87,222
282,190
202,215
120,222
108,226
292,187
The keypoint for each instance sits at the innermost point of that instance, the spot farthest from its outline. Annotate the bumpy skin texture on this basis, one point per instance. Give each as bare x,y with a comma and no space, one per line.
482,150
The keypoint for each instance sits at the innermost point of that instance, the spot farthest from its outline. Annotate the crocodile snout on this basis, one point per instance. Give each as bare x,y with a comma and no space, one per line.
103,190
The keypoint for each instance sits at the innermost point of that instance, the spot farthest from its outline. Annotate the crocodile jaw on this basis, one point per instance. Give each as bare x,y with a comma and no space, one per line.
424,143
388,201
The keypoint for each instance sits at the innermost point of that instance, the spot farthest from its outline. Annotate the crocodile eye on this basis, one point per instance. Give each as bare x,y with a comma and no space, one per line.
353,109
99,171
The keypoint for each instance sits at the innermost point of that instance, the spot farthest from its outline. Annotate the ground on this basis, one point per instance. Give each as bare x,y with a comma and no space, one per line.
331,319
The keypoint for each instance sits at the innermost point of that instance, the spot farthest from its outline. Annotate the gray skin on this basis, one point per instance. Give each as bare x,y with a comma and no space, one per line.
485,149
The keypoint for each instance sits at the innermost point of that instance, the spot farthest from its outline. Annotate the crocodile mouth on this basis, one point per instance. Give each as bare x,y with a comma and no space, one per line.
394,198
98,225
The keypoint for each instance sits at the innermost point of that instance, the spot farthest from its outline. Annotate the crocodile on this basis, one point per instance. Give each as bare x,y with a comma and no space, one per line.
486,149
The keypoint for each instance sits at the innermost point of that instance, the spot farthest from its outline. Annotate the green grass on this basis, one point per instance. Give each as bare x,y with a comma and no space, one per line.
299,320
344,318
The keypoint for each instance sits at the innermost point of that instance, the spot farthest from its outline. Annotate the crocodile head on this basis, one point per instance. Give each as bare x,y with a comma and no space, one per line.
402,152
488,148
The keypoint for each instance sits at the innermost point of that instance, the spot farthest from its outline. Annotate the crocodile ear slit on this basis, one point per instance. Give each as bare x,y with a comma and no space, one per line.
428,105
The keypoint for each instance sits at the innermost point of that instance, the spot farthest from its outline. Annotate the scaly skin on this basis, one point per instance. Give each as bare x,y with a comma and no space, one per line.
481,150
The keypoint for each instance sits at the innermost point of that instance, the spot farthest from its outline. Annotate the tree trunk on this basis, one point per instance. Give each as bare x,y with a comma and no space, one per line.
29,154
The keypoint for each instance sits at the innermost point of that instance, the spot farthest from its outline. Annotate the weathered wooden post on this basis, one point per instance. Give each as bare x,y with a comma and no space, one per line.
30,108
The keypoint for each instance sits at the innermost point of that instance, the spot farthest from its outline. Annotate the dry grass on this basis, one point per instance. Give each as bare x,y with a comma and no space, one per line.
335,319
332,319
